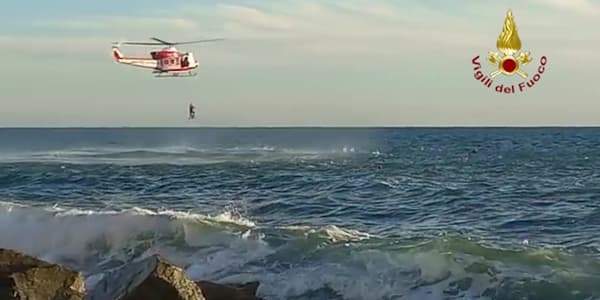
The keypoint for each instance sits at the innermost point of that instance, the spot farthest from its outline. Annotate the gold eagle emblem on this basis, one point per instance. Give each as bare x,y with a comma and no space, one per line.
509,44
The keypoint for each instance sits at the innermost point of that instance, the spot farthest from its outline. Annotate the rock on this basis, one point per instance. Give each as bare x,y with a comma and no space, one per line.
215,291
151,278
26,277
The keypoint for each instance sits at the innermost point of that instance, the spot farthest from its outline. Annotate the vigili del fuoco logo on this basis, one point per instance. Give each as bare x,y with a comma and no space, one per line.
508,62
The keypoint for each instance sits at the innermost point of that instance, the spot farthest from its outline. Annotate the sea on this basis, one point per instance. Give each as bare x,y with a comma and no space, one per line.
316,213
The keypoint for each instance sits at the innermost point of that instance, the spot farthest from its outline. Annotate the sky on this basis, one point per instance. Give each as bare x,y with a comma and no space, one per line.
297,63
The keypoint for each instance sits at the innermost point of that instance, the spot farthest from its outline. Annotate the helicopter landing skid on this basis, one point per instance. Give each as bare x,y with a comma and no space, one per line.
167,75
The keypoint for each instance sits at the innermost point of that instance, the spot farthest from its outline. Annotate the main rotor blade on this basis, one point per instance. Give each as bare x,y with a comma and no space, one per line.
142,44
197,42
161,41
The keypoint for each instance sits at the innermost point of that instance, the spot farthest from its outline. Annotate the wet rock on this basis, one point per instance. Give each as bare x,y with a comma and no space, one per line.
215,291
26,277
324,292
149,279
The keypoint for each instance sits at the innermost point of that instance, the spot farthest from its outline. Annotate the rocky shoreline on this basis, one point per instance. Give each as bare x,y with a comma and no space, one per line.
151,278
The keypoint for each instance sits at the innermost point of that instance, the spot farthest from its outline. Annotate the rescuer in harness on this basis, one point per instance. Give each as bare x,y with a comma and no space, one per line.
192,112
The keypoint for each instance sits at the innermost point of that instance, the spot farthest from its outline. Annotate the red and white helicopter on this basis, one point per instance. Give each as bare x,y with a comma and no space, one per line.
166,62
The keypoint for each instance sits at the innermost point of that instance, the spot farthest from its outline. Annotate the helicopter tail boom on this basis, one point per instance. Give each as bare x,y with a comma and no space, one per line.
133,61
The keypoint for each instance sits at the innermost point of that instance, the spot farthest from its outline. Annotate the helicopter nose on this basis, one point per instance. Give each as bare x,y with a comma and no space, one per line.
193,60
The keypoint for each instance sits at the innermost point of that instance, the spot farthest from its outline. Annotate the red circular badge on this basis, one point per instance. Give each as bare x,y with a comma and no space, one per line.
509,65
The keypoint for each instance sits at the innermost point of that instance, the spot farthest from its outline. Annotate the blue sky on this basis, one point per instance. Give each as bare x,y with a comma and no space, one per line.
336,62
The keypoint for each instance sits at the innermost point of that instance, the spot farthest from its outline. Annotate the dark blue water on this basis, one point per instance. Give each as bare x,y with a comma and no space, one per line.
317,213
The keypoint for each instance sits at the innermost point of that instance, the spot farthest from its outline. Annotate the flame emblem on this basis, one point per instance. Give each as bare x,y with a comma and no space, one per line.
509,44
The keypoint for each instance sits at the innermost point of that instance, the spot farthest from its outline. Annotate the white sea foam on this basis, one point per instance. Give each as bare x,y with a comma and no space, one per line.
332,233
173,155
361,275
229,217
56,233
337,234
390,182
230,248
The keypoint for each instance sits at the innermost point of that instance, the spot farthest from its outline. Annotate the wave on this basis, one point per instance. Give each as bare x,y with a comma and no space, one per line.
180,155
226,217
57,233
296,262
332,233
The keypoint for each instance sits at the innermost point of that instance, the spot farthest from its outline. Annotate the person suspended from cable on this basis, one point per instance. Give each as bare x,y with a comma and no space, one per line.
192,112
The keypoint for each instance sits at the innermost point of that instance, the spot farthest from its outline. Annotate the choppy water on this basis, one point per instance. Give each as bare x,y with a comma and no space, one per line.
317,213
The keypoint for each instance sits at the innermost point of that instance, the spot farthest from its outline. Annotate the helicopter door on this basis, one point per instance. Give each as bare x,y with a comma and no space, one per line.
185,62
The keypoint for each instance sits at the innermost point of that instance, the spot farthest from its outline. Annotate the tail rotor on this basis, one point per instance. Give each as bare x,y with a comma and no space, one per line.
117,55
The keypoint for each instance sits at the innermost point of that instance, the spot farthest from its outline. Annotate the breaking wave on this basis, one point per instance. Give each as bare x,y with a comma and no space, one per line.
296,262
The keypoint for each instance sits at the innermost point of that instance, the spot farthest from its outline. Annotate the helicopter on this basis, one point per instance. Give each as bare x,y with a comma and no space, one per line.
166,62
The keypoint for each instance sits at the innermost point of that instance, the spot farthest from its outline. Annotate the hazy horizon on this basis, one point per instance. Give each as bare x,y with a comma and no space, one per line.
319,127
